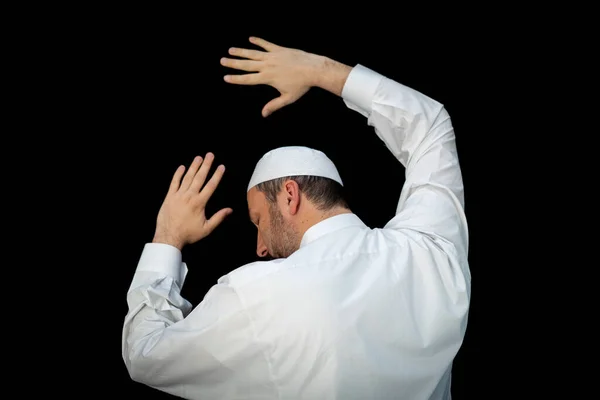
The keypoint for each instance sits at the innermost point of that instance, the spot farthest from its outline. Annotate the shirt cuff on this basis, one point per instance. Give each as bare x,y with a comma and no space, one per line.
360,88
164,259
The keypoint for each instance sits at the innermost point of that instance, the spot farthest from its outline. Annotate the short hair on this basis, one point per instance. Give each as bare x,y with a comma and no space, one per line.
325,193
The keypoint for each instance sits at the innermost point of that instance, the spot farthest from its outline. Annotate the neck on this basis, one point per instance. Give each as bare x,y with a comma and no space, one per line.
317,216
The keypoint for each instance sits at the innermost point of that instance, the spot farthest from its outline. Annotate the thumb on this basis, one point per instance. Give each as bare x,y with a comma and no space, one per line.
275,105
217,218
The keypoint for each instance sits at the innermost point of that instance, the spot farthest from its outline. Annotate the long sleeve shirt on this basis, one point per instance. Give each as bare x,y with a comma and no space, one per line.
354,313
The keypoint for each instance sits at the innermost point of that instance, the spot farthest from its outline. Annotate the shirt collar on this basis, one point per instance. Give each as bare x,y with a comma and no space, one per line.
329,225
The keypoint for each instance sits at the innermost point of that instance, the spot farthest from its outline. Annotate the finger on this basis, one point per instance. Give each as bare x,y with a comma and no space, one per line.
247,53
189,176
212,184
256,78
243,65
200,177
275,105
176,179
263,43
217,218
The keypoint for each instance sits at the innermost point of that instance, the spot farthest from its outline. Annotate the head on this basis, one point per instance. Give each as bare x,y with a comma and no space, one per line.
284,208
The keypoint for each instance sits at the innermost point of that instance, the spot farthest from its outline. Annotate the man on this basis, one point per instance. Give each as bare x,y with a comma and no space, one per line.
343,311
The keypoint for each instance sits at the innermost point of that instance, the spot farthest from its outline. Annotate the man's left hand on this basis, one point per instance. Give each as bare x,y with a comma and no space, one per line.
182,219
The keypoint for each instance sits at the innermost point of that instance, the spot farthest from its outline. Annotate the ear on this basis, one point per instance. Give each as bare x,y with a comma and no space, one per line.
291,191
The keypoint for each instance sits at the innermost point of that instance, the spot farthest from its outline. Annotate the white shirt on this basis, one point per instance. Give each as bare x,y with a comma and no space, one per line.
355,313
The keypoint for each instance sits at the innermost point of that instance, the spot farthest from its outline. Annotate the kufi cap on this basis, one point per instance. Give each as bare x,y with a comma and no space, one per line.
293,161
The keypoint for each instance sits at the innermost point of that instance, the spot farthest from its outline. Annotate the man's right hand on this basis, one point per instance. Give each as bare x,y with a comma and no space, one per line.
292,72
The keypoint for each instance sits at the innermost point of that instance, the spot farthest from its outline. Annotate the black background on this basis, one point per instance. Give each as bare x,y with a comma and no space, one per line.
145,94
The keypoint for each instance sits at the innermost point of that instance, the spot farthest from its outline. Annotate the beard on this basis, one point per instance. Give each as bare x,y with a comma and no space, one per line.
283,238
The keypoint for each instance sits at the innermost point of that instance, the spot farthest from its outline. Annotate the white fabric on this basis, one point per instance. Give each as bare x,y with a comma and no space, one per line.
355,313
293,160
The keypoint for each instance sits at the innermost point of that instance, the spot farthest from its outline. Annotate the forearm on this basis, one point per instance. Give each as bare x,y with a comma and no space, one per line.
153,307
154,293
331,75
154,302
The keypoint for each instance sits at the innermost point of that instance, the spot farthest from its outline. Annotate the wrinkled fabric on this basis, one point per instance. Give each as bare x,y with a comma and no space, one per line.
355,313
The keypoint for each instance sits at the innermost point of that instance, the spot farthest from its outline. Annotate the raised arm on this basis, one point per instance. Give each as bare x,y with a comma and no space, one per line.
419,133
166,344
414,127
199,353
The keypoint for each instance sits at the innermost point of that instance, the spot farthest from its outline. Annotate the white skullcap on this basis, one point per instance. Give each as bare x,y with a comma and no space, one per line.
293,161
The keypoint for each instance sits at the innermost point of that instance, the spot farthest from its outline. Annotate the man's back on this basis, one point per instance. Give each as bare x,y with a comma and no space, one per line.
354,313
357,313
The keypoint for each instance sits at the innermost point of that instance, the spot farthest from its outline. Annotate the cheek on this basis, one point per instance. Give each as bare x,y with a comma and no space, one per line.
263,233
266,232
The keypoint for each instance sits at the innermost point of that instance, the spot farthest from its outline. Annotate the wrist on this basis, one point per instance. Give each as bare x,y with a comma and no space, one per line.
331,75
171,240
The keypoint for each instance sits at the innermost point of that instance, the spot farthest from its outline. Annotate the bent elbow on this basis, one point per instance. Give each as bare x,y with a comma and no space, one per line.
138,368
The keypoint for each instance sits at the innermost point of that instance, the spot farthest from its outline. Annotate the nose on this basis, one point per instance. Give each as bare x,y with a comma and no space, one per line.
261,248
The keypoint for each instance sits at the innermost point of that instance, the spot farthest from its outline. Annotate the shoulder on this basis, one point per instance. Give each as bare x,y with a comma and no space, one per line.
251,272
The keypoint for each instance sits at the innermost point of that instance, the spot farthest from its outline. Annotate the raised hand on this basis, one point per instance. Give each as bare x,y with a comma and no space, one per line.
292,72
182,219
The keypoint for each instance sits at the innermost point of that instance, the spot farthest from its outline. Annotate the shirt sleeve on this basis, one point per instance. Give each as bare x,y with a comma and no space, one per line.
419,133
203,352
